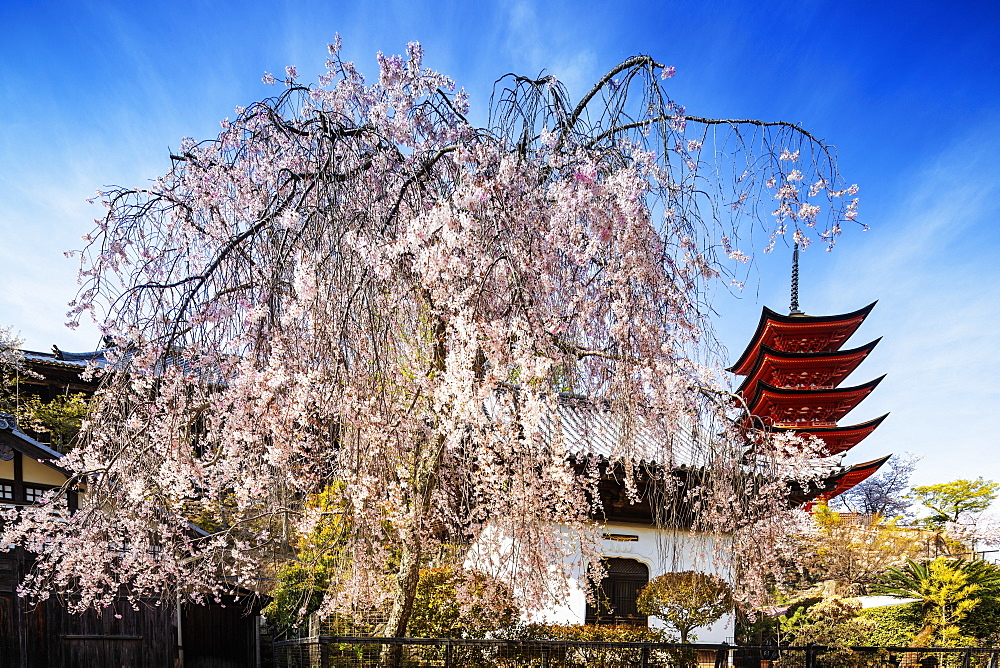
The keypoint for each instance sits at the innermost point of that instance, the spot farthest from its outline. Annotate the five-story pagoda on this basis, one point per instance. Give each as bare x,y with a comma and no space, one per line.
793,368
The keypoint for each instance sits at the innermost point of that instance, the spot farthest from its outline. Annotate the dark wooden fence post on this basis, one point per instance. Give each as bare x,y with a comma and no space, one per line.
447,655
644,657
811,656
324,654
722,656
967,659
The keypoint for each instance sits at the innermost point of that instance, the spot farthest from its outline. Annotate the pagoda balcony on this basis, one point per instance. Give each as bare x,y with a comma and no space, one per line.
779,406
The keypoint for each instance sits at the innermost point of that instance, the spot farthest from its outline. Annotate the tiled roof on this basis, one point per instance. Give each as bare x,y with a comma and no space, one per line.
588,431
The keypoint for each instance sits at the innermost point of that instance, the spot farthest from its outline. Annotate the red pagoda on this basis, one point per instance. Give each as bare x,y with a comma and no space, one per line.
793,368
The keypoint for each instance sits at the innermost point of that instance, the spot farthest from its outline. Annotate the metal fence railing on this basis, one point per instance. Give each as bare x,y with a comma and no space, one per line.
344,652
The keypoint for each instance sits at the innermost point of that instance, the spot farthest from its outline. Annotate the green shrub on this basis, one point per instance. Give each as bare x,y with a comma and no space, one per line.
302,583
832,622
452,602
598,656
299,589
594,633
892,625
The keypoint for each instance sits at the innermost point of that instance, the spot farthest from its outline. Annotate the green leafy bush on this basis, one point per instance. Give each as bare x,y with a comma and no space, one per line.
301,584
452,602
594,633
892,625
599,656
832,622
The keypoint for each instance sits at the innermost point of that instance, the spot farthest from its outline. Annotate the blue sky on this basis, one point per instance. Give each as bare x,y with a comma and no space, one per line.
95,93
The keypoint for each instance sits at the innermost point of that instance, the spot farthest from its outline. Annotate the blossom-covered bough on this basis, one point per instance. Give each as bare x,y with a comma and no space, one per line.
352,288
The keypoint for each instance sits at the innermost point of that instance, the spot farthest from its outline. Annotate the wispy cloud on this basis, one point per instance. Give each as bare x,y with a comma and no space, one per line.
933,264
534,40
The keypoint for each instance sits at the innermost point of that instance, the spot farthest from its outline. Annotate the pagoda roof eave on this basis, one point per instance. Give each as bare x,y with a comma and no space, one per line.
767,352
789,392
846,429
769,315
838,440
838,483
852,476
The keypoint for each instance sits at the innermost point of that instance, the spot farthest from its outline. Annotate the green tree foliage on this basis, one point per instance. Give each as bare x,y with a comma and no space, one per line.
845,557
452,602
950,501
58,421
302,582
949,591
686,600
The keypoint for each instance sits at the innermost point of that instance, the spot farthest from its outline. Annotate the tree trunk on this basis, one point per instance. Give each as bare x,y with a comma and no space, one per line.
411,550
402,602
427,465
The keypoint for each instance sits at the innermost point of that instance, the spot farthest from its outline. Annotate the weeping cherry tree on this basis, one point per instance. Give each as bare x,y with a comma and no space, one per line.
353,288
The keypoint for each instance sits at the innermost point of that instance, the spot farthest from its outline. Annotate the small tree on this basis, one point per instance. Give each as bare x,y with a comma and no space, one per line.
686,600
831,622
846,555
950,501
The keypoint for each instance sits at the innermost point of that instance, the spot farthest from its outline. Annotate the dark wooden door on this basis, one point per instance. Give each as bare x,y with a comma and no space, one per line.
9,654
219,636
617,594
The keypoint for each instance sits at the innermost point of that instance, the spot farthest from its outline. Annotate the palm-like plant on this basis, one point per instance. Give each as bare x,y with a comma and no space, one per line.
948,589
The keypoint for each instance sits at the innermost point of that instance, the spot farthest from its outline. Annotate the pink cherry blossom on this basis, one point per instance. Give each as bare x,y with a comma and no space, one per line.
353,289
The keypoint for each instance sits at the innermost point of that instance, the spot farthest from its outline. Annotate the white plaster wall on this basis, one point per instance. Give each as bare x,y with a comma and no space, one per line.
660,550
664,551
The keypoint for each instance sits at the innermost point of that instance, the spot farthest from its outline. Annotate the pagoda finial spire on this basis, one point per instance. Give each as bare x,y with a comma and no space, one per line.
795,282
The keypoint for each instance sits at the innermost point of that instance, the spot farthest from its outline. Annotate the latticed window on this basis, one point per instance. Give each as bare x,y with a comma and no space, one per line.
33,494
617,595
6,491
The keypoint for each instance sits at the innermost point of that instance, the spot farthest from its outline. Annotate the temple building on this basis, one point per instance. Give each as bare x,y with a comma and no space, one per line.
224,633
793,368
